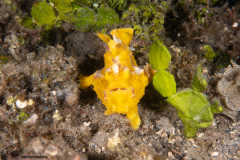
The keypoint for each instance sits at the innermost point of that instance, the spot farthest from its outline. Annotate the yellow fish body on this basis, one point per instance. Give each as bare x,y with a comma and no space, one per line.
121,83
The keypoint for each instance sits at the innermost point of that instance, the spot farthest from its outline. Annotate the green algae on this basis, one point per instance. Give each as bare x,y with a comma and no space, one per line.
86,18
106,16
146,18
43,13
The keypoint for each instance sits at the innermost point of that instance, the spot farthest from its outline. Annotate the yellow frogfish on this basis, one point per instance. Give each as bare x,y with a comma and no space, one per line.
121,83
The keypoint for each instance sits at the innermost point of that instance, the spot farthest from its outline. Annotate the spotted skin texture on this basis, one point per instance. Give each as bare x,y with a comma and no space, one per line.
121,83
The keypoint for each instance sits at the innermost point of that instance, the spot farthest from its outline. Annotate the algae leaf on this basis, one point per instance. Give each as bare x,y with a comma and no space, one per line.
88,3
27,22
43,13
63,6
199,83
164,83
86,18
67,17
209,53
159,56
105,16
22,116
65,10
194,110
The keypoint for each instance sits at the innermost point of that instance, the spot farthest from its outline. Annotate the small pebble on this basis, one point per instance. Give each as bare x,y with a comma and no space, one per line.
214,154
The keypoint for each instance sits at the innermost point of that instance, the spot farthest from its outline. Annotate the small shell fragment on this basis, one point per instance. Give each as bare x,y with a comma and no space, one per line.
21,104
235,24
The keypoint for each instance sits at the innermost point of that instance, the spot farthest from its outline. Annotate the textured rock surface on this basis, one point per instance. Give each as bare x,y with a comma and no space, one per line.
229,86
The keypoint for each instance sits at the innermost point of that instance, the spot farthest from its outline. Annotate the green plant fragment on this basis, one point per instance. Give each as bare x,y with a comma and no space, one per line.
43,13
199,83
88,3
194,110
106,16
67,17
148,16
75,6
117,4
58,24
7,1
164,83
216,108
159,56
212,2
209,53
27,22
22,116
62,6
85,19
